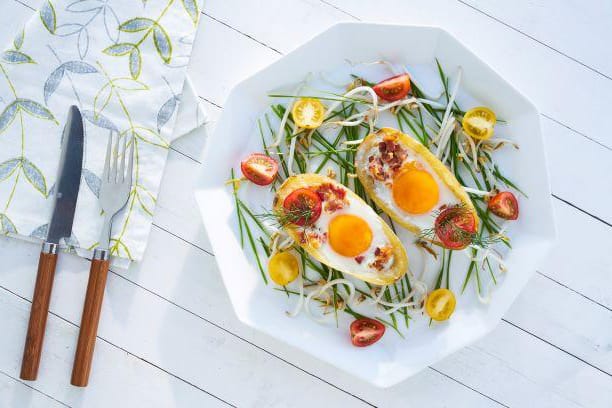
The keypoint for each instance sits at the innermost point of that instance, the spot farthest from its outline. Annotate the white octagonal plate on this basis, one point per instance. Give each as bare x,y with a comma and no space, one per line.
393,358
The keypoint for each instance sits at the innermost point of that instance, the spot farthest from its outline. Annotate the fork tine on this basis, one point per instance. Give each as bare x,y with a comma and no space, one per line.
113,172
130,161
105,174
121,176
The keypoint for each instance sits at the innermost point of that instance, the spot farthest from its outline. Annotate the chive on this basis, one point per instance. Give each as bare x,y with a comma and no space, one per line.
450,254
254,248
238,212
340,98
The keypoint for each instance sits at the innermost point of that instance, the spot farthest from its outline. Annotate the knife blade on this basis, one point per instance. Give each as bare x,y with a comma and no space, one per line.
60,226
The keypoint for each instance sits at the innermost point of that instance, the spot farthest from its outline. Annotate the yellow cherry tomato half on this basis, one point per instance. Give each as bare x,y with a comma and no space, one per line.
308,113
479,123
440,304
283,268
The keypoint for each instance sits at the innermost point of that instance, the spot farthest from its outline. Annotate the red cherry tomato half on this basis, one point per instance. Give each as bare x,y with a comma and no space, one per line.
302,207
259,168
366,331
504,205
394,88
455,227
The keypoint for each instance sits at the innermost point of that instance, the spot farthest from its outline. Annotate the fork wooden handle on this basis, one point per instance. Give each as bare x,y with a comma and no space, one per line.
38,313
90,318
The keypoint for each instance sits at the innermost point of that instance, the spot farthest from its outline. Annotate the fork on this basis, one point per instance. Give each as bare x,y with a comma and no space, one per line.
115,188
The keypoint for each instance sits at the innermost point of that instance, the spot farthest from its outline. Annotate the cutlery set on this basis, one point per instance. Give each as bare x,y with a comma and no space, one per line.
114,192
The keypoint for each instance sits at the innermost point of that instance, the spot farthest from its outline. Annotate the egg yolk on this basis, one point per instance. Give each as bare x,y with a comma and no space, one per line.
349,235
415,190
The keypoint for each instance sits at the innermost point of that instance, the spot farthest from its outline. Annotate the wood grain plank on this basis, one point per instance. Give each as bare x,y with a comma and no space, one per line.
591,192
160,333
207,303
578,168
256,54
577,29
14,393
563,269
136,320
119,378
522,61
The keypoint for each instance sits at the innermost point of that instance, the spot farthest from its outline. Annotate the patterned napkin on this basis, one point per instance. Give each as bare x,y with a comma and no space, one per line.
123,63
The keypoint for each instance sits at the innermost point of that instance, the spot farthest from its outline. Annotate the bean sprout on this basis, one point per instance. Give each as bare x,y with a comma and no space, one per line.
300,302
281,127
323,288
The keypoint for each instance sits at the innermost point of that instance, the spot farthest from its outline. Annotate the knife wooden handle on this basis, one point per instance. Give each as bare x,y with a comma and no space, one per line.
90,318
38,313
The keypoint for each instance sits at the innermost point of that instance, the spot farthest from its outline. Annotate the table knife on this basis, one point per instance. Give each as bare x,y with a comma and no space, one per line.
60,226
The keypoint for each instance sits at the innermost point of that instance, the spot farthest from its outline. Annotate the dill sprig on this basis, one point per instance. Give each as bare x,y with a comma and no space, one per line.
297,214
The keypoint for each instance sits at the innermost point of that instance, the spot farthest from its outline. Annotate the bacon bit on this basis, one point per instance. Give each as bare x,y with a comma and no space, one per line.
382,254
376,168
359,259
311,237
392,153
333,197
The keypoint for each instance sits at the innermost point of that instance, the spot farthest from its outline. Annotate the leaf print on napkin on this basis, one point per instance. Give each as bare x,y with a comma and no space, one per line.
129,84
135,63
40,232
166,111
82,6
146,200
7,225
18,41
111,23
162,43
191,6
34,176
161,39
55,78
16,57
66,30
92,181
48,17
118,50
8,168
102,98
35,109
136,24
83,42
150,136
99,120
8,115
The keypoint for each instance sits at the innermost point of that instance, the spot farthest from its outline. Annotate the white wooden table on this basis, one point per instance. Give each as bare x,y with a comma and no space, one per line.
168,335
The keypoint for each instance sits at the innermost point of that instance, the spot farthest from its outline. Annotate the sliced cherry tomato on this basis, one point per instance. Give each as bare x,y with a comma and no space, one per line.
504,205
455,227
479,122
394,88
440,304
308,113
366,331
283,268
259,168
302,207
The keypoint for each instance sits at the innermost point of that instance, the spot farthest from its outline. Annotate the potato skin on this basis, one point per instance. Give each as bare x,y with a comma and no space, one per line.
440,169
400,266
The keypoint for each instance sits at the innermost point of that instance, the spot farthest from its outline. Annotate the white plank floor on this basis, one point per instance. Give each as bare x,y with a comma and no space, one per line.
168,336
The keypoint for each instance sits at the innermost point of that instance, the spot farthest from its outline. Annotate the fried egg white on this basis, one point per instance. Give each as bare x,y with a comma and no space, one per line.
348,236
406,180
